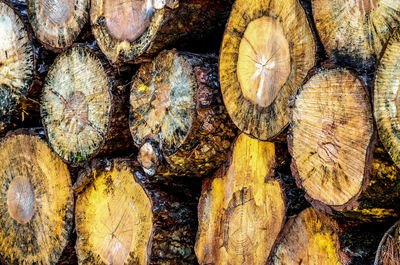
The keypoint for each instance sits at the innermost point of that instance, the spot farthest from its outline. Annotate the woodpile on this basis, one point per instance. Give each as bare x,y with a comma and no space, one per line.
224,132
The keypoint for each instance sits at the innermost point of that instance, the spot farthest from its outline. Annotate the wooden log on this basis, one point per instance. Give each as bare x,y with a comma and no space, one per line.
17,64
332,138
388,252
354,32
57,23
84,109
242,208
36,202
267,50
125,30
310,237
386,98
122,217
177,115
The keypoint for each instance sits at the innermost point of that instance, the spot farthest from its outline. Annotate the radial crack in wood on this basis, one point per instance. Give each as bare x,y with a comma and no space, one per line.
267,50
37,202
76,105
241,209
331,138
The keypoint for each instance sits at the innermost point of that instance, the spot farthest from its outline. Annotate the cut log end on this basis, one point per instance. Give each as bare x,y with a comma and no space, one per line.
35,186
387,98
113,219
354,32
332,131
264,61
311,238
264,58
242,209
177,106
16,63
57,23
76,105
126,20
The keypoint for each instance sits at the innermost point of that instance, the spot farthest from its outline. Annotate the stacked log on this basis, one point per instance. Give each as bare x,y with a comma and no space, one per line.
84,109
122,217
17,64
36,202
267,50
177,117
242,207
128,30
160,174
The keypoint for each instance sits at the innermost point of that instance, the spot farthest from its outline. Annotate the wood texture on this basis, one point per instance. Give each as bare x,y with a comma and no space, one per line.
388,252
123,217
242,208
177,115
152,25
354,32
17,64
310,237
331,139
82,107
386,98
57,23
36,202
267,50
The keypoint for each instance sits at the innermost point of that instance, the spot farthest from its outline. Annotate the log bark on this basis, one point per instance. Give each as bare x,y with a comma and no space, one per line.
122,217
386,98
177,116
17,65
310,237
267,50
242,207
332,138
84,108
36,202
57,23
126,30
354,32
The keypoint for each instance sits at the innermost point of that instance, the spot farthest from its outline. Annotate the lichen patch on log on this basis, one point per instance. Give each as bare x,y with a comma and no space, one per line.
386,98
16,62
332,131
267,50
36,202
113,219
76,105
354,32
311,238
57,23
242,209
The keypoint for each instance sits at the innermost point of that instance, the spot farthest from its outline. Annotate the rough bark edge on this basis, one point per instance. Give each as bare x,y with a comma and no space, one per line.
342,256
279,137
352,203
